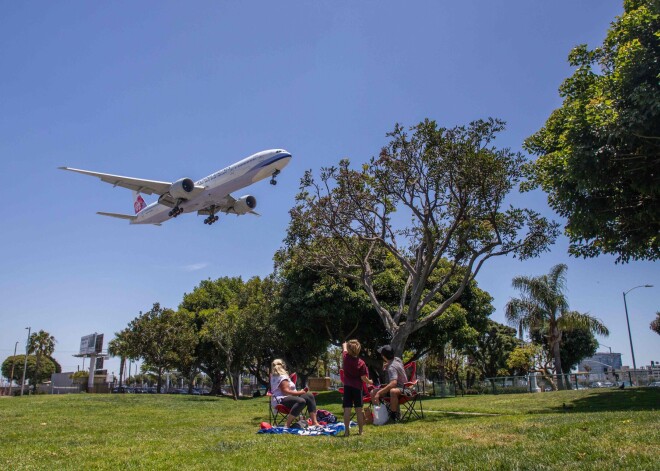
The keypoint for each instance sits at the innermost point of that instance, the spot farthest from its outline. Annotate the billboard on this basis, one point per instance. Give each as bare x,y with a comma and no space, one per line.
91,344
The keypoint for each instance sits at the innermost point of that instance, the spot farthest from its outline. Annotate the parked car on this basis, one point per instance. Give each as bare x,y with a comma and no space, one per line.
602,384
654,384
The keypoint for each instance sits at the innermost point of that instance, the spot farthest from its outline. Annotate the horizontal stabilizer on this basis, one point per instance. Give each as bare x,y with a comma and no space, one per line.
120,216
255,213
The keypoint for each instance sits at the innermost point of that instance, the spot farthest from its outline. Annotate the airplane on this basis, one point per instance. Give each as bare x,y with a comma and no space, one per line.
208,196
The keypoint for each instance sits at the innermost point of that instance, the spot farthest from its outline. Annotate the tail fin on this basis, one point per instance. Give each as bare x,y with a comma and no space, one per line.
138,202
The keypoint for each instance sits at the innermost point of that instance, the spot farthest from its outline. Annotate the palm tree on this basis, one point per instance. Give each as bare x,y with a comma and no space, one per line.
120,347
40,344
543,307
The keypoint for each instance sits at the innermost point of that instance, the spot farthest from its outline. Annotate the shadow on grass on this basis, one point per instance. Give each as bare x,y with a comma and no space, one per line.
636,399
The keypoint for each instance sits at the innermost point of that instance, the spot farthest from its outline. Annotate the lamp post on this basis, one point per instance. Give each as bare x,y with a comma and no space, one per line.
27,345
13,363
625,305
603,345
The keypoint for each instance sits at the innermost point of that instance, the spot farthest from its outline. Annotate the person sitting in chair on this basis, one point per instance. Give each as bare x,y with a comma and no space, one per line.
397,379
284,392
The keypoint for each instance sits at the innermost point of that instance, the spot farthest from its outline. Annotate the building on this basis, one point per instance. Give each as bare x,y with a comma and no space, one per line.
600,365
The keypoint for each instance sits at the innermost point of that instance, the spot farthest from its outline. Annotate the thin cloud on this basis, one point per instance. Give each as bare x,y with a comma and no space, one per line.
195,266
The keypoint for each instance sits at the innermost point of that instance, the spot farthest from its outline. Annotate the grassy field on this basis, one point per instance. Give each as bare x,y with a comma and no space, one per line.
595,429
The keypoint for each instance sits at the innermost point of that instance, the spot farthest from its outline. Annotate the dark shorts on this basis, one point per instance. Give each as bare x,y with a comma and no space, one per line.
352,397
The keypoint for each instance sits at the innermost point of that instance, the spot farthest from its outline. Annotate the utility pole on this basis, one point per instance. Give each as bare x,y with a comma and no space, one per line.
27,346
625,305
13,363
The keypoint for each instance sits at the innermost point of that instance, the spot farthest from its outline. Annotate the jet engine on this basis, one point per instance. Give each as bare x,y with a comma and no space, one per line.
245,204
181,189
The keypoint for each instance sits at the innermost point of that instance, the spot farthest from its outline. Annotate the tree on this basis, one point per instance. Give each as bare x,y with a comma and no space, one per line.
532,358
599,154
207,301
47,366
450,184
543,307
575,345
42,344
494,345
121,346
235,329
655,323
155,337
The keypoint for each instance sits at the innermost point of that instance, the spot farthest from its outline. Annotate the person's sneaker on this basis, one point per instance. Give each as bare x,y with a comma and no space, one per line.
395,417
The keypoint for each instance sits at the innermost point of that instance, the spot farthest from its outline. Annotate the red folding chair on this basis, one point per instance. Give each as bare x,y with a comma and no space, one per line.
410,401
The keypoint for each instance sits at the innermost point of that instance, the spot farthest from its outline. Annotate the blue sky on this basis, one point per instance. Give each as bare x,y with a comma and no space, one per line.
165,90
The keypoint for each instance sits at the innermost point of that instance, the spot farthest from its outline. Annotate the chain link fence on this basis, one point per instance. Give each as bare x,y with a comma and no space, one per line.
572,381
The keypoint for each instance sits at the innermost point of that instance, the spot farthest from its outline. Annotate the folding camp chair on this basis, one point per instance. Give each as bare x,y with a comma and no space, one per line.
410,401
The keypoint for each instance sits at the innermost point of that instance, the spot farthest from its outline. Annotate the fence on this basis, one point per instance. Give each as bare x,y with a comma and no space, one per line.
441,389
574,381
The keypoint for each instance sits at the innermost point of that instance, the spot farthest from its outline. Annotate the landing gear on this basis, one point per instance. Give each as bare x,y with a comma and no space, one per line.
212,217
174,212
272,180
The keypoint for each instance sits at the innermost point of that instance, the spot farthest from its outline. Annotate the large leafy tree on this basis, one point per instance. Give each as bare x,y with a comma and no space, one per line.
156,336
41,344
599,154
543,307
257,333
575,345
47,366
233,321
431,196
318,309
492,349
205,304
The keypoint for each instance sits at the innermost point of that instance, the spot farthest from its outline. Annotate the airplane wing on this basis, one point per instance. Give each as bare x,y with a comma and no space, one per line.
225,206
136,184
121,216
117,215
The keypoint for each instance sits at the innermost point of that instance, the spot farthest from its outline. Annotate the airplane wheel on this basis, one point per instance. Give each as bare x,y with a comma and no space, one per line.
273,182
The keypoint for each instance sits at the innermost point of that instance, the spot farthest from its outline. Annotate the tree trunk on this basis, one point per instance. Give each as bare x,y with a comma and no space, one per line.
36,373
122,364
554,339
191,379
160,376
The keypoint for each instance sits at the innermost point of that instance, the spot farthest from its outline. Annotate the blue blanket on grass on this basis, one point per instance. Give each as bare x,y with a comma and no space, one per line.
330,429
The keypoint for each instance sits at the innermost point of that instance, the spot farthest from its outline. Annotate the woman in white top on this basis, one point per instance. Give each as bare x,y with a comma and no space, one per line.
284,392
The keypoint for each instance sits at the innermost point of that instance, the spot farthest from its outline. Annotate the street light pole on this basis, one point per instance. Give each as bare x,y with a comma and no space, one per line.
27,345
13,363
603,345
625,305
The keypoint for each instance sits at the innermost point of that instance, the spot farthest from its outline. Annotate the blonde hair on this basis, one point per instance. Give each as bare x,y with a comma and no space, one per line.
353,347
277,368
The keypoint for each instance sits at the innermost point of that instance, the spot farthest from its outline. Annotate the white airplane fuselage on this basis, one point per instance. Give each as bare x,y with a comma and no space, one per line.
220,184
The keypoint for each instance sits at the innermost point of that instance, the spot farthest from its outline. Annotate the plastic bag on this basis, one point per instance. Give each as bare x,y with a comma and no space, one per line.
381,416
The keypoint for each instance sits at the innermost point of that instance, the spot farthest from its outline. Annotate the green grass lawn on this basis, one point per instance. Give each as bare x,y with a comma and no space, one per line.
595,429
